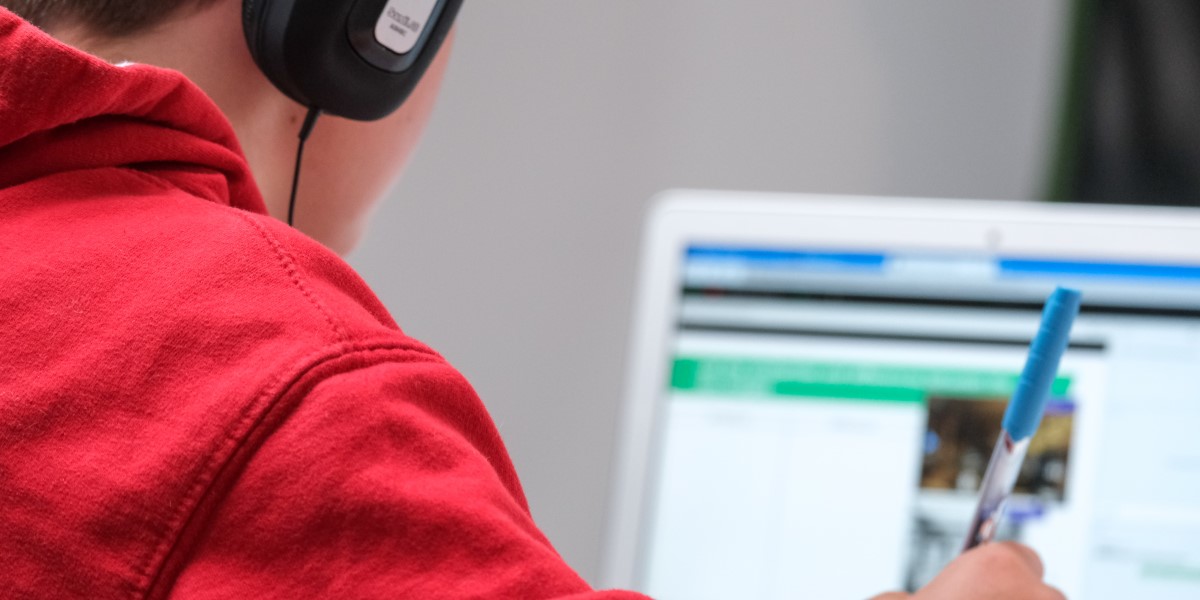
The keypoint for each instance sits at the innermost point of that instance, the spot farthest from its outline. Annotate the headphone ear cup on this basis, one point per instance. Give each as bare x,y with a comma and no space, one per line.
264,23
250,23
247,9
329,54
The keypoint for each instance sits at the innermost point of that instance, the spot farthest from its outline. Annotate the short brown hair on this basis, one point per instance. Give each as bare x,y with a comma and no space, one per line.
108,18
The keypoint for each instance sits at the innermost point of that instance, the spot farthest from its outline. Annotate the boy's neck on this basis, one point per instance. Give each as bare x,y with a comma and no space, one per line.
202,45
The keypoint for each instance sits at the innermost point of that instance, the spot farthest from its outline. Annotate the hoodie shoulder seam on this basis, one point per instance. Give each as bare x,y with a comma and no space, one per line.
290,267
271,406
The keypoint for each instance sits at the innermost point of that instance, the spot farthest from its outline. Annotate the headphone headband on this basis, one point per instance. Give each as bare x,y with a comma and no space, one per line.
358,59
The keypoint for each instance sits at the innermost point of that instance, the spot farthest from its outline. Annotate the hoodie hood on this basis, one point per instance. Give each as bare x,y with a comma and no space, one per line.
61,110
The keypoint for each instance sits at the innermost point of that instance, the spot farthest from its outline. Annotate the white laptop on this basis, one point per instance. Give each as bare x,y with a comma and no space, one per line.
817,383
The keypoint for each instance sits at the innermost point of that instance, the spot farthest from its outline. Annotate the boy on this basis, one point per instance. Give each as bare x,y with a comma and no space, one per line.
197,400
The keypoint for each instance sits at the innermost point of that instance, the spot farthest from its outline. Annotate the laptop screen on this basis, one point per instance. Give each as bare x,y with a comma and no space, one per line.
830,414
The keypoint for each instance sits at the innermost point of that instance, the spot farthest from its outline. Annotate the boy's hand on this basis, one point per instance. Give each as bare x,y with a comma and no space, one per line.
1003,571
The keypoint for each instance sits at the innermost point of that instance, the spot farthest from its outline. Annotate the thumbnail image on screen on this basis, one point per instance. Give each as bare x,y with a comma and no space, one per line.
957,446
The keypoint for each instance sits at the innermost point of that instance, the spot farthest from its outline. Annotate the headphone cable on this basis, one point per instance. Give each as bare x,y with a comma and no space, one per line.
310,121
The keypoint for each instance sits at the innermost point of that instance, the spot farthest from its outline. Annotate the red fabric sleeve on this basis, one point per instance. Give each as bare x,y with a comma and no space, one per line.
387,481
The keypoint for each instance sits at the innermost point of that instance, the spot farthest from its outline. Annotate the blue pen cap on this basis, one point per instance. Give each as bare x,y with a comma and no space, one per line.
1028,402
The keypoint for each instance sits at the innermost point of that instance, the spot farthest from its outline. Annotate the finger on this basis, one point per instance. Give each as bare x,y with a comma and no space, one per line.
1053,593
892,596
1027,555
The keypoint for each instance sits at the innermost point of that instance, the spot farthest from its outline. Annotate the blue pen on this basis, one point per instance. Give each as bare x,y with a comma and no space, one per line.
1024,413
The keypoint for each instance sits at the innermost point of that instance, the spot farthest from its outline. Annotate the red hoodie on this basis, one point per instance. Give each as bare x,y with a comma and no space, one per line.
197,401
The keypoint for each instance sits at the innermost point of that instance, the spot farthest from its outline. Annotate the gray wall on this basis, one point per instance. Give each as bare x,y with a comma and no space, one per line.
511,244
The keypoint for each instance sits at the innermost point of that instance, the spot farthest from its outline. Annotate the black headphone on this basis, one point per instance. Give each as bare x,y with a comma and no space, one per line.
358,59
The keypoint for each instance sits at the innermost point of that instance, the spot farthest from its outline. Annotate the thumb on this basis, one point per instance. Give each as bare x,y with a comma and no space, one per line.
892,596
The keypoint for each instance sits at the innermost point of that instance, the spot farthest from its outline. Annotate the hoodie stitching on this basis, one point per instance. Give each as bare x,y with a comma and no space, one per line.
223,456
288,263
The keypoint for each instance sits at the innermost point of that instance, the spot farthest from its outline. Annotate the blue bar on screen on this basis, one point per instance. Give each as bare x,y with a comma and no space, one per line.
772,258
1061,268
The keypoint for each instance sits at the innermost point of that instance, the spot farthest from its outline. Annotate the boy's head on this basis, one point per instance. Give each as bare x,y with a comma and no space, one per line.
348,165
108,18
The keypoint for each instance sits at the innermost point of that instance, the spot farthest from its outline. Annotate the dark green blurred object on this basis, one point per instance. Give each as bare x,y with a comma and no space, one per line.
1130,123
